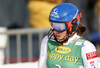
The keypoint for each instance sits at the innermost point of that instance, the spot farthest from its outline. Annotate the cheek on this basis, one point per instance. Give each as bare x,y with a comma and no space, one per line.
63,34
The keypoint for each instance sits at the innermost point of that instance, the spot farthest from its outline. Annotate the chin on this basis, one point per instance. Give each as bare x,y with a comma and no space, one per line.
58,39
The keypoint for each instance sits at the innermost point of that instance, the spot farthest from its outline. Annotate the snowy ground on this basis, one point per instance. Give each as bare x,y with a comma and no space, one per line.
21,65
26,65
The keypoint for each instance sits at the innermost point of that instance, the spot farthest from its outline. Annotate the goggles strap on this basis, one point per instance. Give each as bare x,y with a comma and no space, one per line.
71,23
72,29
70,32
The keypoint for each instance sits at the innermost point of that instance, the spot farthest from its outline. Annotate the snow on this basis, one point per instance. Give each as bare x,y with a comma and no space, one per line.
26,65
21,65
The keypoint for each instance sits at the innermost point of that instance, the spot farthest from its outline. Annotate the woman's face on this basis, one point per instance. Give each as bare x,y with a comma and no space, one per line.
60,35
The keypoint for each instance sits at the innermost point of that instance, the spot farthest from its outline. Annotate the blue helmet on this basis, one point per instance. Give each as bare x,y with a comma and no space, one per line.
63,17
64,12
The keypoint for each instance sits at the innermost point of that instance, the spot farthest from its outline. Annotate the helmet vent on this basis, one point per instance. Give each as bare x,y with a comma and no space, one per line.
61,18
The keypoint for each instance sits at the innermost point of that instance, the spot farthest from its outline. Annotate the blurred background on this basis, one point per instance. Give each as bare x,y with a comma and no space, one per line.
24,23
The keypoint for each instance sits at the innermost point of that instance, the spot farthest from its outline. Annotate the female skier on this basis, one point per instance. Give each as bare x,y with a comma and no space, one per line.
64,46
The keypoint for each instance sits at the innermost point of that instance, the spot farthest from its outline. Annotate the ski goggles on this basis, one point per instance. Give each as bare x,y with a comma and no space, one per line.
58,26
62,26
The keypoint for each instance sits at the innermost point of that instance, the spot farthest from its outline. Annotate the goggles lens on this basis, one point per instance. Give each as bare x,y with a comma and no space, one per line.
58,26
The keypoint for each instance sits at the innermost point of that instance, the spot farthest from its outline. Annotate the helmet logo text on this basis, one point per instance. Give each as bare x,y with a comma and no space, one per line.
55,13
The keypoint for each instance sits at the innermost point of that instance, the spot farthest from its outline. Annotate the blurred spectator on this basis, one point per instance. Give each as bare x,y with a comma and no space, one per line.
14,13
39,12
